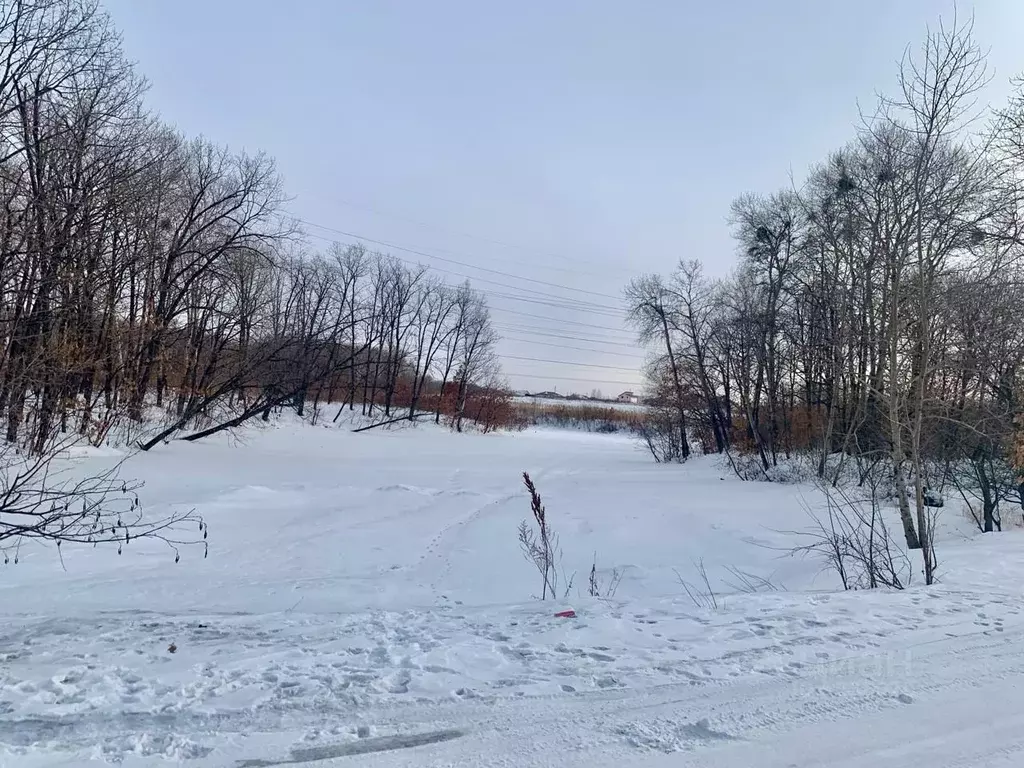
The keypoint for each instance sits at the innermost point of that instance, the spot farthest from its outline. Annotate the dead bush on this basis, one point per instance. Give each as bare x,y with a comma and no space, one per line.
852,539
540,545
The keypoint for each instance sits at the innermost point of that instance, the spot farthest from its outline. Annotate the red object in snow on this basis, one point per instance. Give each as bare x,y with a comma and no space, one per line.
570,614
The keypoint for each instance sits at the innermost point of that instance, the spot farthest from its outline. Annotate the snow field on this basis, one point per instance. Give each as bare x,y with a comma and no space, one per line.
365,603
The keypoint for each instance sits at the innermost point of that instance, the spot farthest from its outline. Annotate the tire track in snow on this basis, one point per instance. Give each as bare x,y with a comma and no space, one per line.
601,728
326,685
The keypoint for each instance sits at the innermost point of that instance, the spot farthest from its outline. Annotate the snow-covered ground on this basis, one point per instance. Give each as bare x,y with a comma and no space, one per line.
365,603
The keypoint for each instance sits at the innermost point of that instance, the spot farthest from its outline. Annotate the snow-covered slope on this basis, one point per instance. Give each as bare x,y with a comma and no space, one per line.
365,603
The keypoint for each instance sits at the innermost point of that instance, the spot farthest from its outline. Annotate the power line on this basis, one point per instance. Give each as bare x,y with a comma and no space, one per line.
479,238
457,262
533,316
548,333
577,305
561,303
570,378
564,362
558,320
566,346
596,309
526,314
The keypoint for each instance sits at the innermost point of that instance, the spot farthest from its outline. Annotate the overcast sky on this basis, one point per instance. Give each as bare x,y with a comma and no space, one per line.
573,144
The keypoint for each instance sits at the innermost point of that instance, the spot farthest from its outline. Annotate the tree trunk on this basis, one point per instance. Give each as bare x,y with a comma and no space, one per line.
684,443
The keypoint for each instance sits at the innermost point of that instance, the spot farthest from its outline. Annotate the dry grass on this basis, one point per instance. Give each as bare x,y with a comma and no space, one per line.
586,417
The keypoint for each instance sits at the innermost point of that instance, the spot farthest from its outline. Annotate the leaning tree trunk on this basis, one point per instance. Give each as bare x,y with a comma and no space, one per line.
684,443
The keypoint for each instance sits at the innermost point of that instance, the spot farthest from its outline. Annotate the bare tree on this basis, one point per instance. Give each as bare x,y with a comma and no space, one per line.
150,283
651,310
872,324
476,357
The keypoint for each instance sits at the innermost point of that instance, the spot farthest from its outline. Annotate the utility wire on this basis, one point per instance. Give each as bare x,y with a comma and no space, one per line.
525,314
575,349
455,261
544,299
578,305
596,309
559,320
515,246
570,378
548,333
565,362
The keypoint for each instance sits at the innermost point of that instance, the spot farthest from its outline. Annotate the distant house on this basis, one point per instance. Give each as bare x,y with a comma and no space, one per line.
548,395
628,397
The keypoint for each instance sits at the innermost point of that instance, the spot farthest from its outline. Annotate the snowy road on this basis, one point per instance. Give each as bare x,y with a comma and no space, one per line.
965,713
818,682
365,604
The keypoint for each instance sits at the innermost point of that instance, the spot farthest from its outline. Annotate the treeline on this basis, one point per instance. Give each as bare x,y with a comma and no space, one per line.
141,269
877,313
